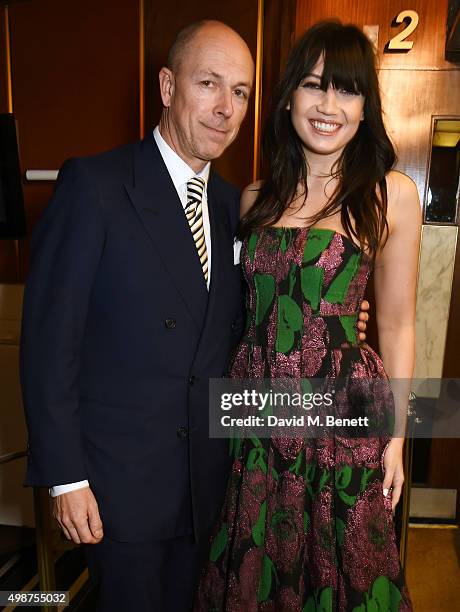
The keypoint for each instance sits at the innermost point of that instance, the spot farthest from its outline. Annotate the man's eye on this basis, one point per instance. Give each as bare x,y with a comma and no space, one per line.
240,93
206,83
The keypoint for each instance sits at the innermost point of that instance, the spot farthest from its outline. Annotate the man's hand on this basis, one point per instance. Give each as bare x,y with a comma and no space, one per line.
78,515
362,318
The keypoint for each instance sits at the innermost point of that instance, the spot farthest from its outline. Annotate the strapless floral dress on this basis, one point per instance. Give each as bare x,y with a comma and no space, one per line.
305,526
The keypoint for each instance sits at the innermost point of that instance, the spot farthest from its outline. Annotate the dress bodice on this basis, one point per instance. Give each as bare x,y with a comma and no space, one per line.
304,271
305,286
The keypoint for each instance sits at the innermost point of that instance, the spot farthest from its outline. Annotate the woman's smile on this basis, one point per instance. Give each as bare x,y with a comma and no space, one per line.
325,127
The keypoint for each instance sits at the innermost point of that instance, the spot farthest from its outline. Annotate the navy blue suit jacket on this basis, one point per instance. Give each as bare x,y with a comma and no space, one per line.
119,339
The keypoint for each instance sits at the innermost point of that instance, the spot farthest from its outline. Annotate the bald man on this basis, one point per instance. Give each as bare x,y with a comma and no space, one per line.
132,303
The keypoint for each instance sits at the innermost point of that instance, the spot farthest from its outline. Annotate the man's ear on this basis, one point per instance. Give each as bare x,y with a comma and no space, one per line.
166,78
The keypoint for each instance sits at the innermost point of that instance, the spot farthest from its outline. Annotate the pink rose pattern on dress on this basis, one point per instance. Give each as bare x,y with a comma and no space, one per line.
305,526
320,549
369,535
284,536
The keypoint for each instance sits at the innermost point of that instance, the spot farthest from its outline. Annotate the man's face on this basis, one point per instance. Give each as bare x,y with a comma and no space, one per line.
207,95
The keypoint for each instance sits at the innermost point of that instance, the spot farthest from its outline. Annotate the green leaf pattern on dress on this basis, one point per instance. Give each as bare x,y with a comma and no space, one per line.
338,288
258,531
219,543
312,279
317,241
265,286
289,321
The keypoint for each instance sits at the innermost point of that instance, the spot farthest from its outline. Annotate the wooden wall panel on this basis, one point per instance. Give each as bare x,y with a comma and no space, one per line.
410,99
163,21
278,38
75,69
429,37
3,63
8,262
8,248
75,77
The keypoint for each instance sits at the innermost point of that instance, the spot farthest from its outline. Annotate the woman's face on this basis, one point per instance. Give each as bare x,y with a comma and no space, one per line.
325,121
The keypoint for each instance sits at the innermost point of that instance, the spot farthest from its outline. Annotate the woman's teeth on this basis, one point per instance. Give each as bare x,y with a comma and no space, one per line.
325,127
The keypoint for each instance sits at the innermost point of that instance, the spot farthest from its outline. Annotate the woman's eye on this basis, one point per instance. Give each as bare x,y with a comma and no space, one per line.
348,92
311,85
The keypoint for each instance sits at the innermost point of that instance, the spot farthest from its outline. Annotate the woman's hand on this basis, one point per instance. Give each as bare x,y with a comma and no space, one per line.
394,473
363,317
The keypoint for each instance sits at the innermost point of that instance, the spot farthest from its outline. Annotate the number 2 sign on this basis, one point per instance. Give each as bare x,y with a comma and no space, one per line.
399,42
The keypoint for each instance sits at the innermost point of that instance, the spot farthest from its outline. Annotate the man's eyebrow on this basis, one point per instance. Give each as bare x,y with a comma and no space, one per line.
204,72
244,84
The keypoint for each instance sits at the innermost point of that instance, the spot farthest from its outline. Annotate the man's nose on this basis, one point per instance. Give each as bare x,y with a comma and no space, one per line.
224,105
328,103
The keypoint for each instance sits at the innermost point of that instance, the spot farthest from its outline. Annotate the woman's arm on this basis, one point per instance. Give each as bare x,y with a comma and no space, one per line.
395,281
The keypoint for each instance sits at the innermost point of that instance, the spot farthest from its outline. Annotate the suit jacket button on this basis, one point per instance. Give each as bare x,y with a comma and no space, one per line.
192,380
170,323
182,433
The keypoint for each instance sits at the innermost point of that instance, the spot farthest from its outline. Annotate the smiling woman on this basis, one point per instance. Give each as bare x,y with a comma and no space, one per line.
331,91
307,521
318,112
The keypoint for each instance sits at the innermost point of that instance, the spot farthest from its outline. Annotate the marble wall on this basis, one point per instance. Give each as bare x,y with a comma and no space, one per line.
437,259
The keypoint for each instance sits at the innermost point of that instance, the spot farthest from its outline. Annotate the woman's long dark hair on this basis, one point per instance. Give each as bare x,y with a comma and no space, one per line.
349,63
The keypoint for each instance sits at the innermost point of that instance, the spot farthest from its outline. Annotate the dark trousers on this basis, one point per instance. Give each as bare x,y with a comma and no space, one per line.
160,576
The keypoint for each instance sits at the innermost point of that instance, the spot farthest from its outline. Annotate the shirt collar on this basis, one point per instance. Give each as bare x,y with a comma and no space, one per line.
179,171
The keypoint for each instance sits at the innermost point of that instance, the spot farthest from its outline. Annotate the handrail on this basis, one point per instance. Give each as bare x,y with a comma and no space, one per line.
43,520
45,552
12,456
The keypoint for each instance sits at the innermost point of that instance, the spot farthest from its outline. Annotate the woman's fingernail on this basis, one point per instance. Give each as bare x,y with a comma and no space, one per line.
385,492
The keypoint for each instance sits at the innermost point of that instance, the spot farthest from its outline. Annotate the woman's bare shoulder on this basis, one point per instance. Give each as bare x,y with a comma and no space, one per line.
399,183
248,197
403,200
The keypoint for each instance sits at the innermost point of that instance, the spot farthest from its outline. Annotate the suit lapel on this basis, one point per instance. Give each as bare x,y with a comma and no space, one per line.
160,210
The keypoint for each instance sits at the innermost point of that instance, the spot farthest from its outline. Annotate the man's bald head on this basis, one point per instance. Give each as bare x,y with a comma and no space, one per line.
205,91
188,35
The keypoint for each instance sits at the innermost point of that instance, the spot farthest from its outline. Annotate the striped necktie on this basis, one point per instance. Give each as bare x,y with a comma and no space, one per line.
194,214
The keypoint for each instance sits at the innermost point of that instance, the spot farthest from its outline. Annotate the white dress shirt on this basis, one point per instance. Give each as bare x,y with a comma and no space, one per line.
180,173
